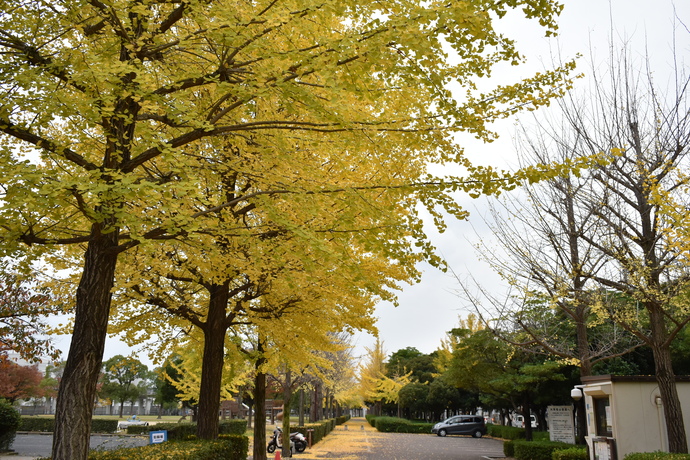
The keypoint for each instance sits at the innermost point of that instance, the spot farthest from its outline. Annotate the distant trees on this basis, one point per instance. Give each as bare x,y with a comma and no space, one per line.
19,382
607,243
23,308
121,376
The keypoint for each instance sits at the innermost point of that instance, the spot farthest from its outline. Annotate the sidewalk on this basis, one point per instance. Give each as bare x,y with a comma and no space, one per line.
345,442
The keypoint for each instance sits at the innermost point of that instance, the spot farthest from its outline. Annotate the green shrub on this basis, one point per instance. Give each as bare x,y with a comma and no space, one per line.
401,425
509,448
103,426
230,447
536,450
541,436
9,422
505,432
342,419
235,426
319,429
371,419
573,453
226,447
656,456
47,425
176,431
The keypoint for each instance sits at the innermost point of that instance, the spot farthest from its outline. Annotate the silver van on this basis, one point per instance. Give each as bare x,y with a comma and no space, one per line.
461,424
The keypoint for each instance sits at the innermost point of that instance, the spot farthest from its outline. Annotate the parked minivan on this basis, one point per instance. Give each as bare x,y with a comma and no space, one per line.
519,421
461,424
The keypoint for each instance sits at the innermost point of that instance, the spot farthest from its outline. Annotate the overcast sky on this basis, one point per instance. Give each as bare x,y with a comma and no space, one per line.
431,308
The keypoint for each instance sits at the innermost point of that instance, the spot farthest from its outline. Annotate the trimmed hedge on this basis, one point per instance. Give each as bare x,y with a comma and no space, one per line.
401,425
537,450
47,425
511,432
183,431
573,453
176,431
656,456
342,419
371,419
229,447
226,447
9,422
320,429
509,448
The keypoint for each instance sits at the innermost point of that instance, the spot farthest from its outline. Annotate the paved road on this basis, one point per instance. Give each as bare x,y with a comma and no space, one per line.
354,441
39,445
359,441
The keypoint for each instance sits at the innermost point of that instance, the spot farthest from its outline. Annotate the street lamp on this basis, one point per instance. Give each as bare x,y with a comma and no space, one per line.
576,393
579,408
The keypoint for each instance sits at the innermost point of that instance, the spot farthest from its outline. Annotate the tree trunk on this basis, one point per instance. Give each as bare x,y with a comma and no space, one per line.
259,452
287,396
301,407
77,391
527,417
214,331
666,379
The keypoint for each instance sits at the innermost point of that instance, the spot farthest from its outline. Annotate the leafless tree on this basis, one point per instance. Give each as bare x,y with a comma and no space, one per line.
614,228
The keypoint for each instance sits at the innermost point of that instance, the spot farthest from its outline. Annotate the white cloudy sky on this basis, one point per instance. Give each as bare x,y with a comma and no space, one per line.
429,309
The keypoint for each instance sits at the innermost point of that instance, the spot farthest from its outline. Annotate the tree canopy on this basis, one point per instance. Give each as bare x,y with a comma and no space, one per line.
113,111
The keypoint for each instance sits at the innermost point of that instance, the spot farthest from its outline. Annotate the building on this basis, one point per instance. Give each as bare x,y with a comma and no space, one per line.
625,414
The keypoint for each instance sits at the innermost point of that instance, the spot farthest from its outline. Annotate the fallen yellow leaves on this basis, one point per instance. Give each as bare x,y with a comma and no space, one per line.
345,442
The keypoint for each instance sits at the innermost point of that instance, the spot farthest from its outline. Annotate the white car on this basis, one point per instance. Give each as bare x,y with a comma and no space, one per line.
131,421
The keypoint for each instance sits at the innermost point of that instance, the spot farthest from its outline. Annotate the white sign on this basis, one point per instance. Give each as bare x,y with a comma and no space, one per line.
157,437
561,424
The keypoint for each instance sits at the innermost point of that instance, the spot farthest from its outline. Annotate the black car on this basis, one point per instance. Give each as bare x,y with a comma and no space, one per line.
461,424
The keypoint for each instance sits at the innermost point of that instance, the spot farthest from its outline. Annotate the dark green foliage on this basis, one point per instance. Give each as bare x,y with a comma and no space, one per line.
408,360
656,456
342,419
46,425
536,450
371,419
233,427
505,432
401,425
176,431
9,422
320,429
509,448
103,426
573,453
228,448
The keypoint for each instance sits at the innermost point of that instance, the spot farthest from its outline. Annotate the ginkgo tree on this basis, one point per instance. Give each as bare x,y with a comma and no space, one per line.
106,103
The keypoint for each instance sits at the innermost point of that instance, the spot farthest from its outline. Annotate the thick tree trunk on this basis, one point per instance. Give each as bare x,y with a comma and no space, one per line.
666,379
212,362
259,452
77,392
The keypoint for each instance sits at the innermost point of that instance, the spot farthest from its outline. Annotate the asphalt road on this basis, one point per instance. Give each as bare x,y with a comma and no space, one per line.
358,442
39,445
399,446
